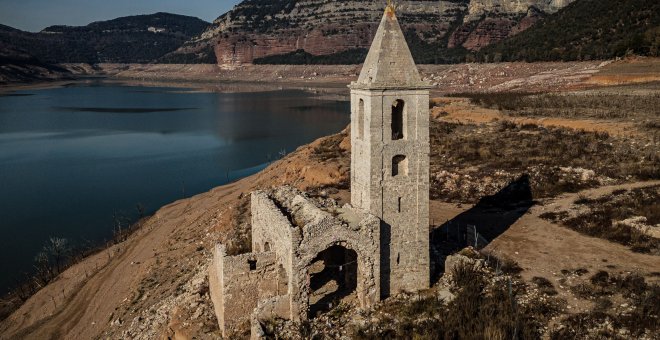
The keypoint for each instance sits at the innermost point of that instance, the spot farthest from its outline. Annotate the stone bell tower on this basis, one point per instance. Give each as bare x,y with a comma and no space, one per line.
390,156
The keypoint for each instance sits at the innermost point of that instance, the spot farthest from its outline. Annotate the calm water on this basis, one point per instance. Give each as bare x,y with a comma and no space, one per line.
71,158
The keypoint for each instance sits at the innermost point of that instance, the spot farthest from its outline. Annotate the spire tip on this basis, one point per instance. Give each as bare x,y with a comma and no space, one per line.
390,9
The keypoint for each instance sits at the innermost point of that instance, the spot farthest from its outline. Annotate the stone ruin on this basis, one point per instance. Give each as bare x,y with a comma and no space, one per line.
304,260
307,257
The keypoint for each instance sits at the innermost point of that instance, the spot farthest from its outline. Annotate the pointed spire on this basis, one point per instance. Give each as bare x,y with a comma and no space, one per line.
389,63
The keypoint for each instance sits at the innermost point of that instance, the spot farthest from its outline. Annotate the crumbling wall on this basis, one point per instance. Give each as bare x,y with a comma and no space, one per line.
363,237
275,307
238,283
272,229
275,283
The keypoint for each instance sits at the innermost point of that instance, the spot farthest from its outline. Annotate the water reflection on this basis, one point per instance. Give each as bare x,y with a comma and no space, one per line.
73,156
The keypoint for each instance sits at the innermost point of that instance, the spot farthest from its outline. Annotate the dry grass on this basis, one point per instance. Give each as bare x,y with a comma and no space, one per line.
483,309
329,148
610,105
639,318
553,157
544,285
603,213
486,306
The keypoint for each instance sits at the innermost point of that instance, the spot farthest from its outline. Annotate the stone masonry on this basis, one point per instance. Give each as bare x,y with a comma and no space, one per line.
307,255
289,232
390,156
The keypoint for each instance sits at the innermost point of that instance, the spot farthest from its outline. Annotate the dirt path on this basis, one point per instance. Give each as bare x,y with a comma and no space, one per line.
544,249
460,110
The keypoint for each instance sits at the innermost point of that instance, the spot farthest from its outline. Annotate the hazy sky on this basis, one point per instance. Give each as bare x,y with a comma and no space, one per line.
34,15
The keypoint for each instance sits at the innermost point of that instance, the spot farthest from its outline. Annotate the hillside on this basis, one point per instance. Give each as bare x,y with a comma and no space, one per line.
134,39
586,29
294,32
18,66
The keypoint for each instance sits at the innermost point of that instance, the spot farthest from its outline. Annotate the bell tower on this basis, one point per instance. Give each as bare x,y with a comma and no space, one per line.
390,156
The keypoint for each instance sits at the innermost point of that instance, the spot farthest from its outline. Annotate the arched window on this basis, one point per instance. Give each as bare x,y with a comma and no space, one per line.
397,119
360,119
266,246
399,165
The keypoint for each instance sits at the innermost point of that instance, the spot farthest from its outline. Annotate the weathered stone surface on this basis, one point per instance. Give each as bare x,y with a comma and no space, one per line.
288,233
238,283
254,30
376,248
390,157
479,8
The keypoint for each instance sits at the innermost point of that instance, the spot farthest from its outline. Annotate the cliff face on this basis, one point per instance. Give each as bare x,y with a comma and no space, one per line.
254,29
260,28
479,8
492,27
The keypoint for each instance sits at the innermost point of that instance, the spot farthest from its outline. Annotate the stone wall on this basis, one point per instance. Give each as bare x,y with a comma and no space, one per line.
272,229
312,231
405,198
362,237
288,233
275,307
238,283
401,201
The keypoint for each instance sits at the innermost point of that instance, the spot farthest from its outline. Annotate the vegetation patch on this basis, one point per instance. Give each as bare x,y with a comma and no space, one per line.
485,305
472,161
329,148
626,217
636,317
612,28
600,105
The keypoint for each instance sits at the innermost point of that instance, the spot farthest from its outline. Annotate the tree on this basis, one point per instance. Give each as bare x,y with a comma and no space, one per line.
44,269
59,249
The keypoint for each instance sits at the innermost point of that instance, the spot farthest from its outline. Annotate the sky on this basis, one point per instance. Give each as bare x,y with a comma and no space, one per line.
35,15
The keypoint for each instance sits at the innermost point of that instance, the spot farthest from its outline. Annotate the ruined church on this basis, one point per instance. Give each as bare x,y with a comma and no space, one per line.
307,257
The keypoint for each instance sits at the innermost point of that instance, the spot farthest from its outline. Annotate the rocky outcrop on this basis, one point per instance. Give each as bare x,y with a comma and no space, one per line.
490,27
318,27
479,8
257,28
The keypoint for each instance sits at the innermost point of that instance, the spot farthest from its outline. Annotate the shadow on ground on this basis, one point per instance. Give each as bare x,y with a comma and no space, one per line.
481,224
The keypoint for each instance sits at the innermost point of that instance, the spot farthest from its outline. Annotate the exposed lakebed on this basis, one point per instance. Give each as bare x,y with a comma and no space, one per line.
76,159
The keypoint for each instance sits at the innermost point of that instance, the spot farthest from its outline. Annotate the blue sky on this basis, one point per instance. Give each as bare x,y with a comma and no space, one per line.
34,15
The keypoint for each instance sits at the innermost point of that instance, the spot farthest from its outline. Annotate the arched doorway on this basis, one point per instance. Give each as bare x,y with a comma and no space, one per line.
332,279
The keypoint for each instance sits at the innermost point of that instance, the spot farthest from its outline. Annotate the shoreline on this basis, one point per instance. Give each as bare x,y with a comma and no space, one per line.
195,86
450,79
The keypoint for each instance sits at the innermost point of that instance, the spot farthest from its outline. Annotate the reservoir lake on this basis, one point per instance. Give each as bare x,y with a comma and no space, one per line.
76,159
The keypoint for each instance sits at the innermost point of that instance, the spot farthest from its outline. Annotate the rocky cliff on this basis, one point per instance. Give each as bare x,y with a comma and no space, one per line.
258,28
